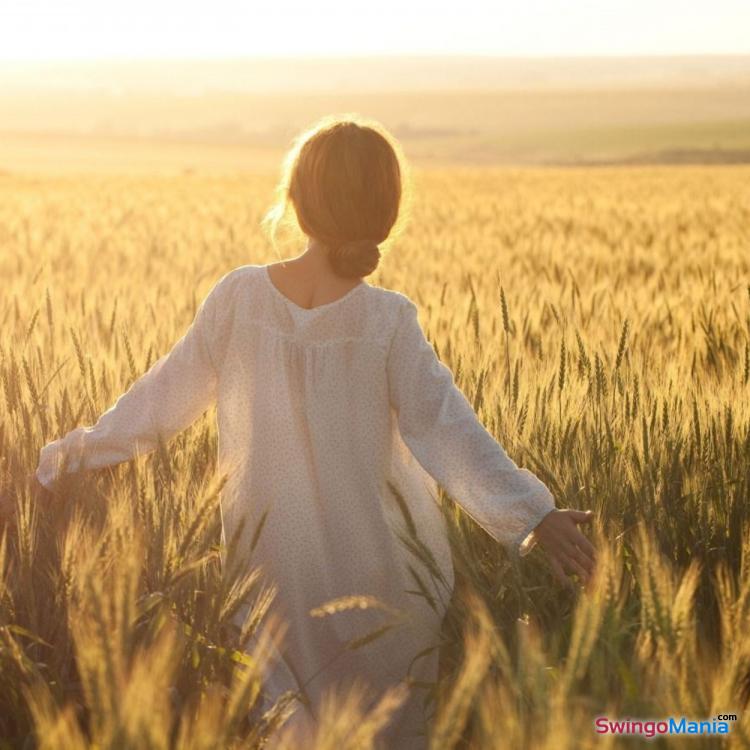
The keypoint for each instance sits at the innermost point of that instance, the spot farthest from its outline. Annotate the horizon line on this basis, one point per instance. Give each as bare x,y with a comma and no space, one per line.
374,56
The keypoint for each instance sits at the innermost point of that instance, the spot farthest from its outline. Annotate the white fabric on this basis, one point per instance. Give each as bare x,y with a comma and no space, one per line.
316,410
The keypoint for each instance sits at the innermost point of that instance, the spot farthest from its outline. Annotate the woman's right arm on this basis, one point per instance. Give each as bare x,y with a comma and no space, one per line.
171,395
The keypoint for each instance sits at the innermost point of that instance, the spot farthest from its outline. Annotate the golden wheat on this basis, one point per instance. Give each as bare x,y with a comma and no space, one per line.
598,320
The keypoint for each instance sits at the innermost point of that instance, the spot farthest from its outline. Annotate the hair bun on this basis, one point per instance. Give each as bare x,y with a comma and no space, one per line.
359,246
355,258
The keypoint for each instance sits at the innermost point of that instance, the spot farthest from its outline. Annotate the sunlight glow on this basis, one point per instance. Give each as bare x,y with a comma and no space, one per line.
91,29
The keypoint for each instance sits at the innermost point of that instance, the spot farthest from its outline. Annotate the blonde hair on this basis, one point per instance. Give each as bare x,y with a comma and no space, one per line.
346,179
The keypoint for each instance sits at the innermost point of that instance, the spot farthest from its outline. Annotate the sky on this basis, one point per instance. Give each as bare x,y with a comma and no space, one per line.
38,30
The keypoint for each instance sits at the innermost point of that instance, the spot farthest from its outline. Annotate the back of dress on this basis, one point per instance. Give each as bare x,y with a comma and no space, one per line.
305,418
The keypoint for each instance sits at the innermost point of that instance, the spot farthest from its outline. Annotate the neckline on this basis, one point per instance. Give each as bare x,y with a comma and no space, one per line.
295,306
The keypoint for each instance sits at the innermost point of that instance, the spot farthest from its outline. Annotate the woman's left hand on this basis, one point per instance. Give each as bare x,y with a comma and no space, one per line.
566,546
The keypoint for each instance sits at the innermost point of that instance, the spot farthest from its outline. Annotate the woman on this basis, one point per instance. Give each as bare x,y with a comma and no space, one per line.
335,420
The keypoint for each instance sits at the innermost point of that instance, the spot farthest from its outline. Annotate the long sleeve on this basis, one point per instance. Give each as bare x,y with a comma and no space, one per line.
445,435
172,394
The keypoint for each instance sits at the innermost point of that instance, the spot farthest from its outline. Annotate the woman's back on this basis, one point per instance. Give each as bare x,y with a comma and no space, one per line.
304,414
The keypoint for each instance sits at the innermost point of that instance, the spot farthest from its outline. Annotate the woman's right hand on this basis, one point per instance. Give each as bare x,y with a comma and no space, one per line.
39,493
38,490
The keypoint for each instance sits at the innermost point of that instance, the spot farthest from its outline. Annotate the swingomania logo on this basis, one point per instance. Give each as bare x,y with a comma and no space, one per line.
669,725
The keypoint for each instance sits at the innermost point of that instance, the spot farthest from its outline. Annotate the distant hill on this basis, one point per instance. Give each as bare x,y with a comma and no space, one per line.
366,74
448,109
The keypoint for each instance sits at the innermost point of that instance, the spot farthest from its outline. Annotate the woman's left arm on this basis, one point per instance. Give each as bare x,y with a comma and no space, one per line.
172,394
445,435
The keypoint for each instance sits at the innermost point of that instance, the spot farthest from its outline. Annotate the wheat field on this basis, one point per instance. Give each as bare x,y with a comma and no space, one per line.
598,320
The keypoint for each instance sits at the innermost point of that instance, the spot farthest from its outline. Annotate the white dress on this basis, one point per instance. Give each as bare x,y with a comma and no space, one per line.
317,411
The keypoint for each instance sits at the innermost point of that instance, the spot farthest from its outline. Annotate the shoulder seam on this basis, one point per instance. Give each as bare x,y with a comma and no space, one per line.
405,304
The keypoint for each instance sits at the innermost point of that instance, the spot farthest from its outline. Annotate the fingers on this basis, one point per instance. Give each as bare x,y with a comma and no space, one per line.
577,537
574,566
580,540
581,516
562,563
582,558
573,543
576,543
560,573
588,586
